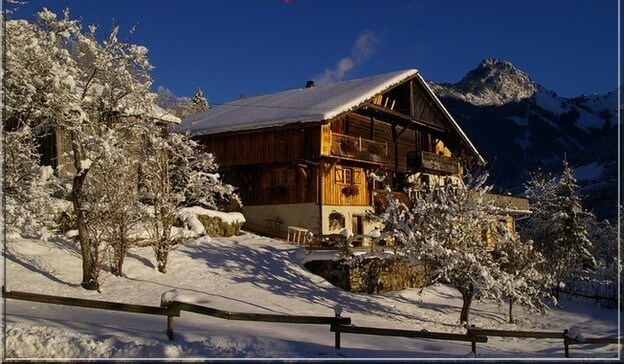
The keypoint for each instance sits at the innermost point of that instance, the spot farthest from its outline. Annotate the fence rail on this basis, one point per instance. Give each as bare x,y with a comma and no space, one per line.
81,302
362,330
338,324
565,336
244,316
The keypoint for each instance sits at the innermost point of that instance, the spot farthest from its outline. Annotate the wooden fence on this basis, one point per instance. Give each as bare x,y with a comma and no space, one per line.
361,330
338,324
594,286
244,316
564,335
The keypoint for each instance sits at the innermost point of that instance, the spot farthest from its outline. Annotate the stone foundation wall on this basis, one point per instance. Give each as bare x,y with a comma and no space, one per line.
370,275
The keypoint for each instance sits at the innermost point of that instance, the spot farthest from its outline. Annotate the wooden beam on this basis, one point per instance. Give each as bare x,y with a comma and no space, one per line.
413,120
401,132
411,98
396,146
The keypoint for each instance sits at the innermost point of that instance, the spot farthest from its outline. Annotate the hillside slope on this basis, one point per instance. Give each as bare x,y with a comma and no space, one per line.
520,126
249,273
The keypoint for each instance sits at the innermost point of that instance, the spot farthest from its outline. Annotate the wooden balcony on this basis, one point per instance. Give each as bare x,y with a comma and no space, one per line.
432,162
346,146
510,204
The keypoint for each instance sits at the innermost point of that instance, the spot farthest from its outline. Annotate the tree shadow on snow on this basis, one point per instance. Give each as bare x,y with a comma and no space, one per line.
270,269
34,265
148,263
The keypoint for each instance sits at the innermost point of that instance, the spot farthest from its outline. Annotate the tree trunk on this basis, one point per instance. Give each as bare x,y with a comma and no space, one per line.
90,254
467,301
119,251
510,313
162,254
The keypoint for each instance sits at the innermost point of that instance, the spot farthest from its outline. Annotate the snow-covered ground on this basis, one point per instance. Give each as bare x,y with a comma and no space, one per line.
255,274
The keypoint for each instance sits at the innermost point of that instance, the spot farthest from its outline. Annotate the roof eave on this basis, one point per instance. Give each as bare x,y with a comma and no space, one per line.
481,161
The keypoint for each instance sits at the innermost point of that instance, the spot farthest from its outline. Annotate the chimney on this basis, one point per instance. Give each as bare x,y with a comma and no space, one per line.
309,84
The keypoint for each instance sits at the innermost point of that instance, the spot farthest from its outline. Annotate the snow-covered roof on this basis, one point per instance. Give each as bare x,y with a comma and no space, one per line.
305,105
301,105
163,115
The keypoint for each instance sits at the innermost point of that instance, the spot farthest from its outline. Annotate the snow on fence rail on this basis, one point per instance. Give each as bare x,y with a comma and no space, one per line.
338,324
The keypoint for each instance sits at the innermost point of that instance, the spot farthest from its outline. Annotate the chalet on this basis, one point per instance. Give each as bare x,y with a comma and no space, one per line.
56,149
312,157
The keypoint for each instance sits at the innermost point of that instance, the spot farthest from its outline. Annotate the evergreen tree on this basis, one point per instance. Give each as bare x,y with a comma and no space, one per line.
573,236
199,102
557,224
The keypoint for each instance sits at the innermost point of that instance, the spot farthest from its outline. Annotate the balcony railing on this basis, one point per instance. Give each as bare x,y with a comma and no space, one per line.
359,148
433,162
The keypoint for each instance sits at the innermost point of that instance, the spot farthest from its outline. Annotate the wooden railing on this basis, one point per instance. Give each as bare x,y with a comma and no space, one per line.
170,312
509,203
432,162
564,335
358,148
338,324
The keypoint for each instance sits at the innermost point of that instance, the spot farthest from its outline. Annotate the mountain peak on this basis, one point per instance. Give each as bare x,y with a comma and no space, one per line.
493,82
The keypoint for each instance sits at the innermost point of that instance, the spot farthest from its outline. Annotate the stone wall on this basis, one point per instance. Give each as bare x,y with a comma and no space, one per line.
370,275
216,227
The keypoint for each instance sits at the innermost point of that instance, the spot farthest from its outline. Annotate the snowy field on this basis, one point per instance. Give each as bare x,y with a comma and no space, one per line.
250,273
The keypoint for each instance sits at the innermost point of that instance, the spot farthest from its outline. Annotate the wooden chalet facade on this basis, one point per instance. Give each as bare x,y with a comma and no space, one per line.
308,157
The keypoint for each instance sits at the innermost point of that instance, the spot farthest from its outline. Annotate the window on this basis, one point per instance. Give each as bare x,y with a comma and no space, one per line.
348,176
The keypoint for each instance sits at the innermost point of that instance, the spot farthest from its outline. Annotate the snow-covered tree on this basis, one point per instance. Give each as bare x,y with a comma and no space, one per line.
113,201
27,186
557,224
60,78
200,103
604,237
522,282
181,107
444,227
179,174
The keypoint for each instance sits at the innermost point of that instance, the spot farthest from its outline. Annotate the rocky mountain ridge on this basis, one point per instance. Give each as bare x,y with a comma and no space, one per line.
521,126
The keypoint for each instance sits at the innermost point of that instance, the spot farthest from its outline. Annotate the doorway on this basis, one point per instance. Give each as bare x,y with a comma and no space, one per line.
356,225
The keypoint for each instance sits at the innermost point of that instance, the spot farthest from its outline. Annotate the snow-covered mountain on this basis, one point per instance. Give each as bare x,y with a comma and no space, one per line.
520,126
493,82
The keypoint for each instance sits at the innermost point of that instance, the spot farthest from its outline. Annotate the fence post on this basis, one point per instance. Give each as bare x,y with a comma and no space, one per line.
337,312
473,343
168,300
566,344
170,327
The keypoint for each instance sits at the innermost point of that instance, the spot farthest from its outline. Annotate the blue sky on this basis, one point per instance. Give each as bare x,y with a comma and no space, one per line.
231,48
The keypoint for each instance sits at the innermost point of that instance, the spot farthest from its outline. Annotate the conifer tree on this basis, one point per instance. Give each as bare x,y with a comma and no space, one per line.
200,103
557,224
